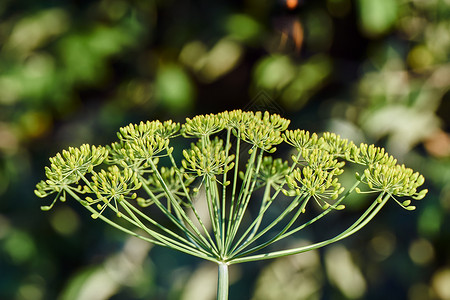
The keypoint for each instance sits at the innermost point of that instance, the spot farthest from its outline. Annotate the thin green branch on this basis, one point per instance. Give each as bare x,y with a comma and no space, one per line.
241,203
112,223
192,206
190,243
175,203
168,242
233,203
299,199
198,238
355,227
324,213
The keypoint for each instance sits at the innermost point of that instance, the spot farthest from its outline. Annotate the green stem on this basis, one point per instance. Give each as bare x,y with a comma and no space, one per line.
262,210
224,190
268,200
233,191
279,236
222,282
169,215
168,242
185,219
351,230
253,228
247,189
191,203
164,238
213,211
114,224
327,211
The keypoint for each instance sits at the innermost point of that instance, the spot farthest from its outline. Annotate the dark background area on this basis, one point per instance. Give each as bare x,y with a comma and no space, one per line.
73,72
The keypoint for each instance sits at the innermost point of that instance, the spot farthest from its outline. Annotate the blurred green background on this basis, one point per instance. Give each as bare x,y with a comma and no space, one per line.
73,72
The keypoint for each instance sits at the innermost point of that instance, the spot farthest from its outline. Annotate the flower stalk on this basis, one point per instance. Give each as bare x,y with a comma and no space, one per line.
232,166
222,281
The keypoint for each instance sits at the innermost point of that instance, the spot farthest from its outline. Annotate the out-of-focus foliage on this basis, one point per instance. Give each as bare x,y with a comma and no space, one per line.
71,72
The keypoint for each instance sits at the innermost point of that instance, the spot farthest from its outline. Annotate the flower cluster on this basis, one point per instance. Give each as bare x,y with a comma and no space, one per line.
112,185
264,131
318,178
141,169
236,119
301,139
273,172
173,181
370,155
317,183
208,160
203,125
330,152
140,143
395,180
67,168
334,144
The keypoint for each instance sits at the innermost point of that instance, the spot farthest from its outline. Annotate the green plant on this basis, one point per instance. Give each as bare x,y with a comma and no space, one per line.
140,174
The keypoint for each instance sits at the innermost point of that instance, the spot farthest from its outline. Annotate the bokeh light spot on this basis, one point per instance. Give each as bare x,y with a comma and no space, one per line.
441,283
275,72
19,246
30,292
10,89
242,27
430,221
193,55
35,123
33,31
65,221
343,272
377,16
383,245
421,251
222,58
174,88
291,4
420,57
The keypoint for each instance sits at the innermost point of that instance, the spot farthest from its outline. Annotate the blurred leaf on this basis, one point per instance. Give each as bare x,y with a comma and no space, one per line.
406,126
35,123
174,88
242,27
344,273
126,268
377,16
292,277
309,78
319,28
85,54
35,79
19,246
33,31
420,58
65,221
430,221
221,59
75,285
274,72
215,63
